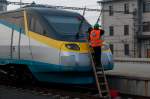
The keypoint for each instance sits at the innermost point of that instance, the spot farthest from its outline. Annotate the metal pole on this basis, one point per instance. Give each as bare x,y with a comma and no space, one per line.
134,33
140,26
20,3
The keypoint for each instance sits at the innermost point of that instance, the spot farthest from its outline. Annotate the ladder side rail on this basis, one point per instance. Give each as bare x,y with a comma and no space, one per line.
94,70
103,71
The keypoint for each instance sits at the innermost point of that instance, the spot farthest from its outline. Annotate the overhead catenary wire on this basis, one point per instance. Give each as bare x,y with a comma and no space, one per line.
63,7
81,23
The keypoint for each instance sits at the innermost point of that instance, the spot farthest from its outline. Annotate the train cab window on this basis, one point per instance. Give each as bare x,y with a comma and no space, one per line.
67,25
38,28
58,25
31,24
16,20
35,26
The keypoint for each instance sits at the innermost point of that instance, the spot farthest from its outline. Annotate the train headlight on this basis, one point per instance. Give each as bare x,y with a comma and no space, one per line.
68,60
72,46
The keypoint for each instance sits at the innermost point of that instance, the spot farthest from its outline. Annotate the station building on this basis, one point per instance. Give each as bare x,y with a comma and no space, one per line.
3,5
127,27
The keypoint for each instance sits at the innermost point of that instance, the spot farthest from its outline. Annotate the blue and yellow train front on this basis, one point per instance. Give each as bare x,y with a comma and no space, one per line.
57,55
65,62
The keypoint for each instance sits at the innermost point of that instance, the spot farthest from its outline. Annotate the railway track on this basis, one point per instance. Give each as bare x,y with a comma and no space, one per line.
55,91
16,79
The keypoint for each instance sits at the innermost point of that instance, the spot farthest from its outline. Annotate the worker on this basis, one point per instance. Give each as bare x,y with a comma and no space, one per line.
96,43
89,31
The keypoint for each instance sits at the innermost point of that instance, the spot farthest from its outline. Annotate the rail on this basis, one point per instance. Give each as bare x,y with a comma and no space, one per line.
54,91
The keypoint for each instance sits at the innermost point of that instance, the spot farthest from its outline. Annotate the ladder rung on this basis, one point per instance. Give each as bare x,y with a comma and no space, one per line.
102,84
100,75
104,88
96,95
104,91
105,97
99,68
100,72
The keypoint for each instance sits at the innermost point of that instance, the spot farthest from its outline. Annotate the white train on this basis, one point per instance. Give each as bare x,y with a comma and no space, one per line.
41,42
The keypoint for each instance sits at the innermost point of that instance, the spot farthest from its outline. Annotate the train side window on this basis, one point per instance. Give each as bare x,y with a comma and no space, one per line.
32,24
38,27
16,19
35,26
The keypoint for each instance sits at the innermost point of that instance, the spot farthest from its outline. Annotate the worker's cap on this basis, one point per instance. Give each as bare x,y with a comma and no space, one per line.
97,25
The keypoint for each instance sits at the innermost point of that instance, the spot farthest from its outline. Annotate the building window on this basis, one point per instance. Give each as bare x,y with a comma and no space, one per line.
126,29
126,49
146,26
111,48
126,8
111,11
148,53
146,7
111,30
1,8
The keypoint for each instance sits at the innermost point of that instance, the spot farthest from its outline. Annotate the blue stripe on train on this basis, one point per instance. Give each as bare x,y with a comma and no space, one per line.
51,73
54,73
37,66
11,26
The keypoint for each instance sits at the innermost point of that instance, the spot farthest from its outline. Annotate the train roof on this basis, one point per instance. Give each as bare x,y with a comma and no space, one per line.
44,10
51,11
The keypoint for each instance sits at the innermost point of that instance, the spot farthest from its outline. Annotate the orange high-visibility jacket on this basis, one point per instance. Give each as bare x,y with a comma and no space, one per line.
95,38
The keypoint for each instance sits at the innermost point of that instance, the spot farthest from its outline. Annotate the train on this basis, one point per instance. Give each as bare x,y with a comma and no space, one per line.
41,43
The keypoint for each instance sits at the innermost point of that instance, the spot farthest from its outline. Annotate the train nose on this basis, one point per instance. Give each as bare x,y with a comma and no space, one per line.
84,60
74,59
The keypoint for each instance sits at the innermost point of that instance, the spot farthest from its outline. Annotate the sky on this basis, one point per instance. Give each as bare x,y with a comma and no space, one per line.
90,16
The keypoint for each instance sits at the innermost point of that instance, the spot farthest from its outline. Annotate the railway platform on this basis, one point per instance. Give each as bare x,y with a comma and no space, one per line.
130,78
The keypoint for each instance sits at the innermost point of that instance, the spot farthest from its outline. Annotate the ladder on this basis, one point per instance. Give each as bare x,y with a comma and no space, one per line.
99,73
100,77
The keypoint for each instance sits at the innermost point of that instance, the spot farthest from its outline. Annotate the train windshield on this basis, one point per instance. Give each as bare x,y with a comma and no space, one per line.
68,25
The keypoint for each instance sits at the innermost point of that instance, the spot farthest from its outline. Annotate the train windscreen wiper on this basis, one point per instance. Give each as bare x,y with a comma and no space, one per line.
80,25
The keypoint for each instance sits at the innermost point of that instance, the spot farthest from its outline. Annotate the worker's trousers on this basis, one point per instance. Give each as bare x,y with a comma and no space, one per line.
97,55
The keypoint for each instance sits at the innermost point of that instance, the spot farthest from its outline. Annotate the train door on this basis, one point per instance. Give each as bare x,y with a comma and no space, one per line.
5,36
42,45
19,48
14,19
10,35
